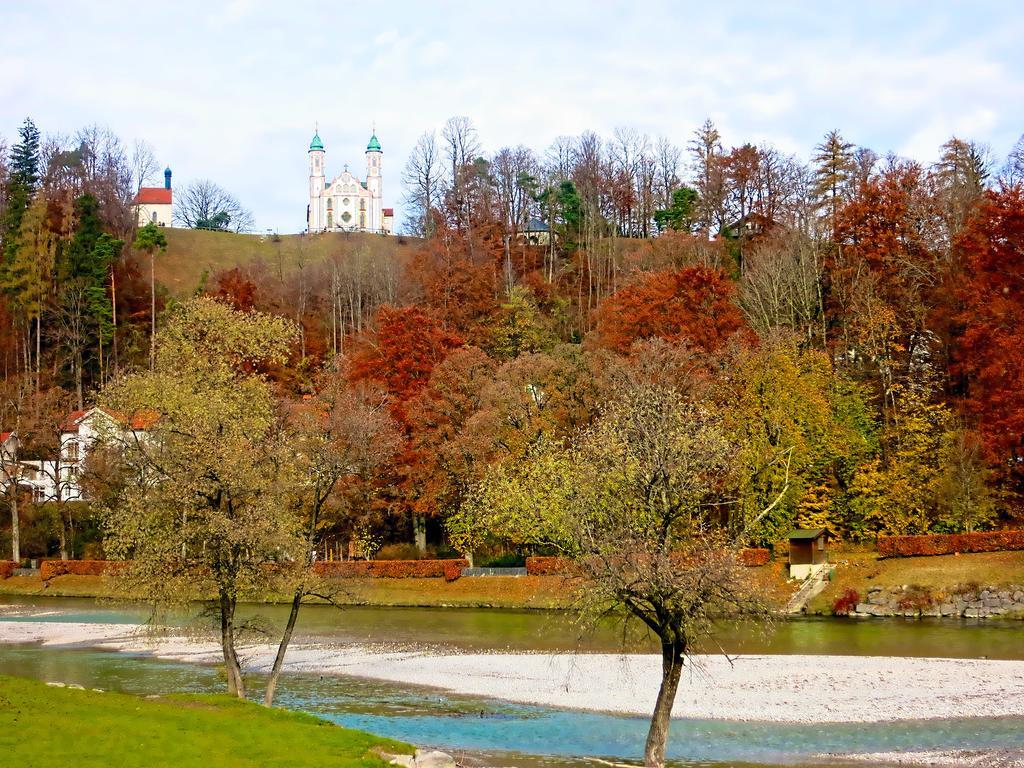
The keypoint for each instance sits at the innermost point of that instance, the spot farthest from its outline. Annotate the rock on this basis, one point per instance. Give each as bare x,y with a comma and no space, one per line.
949,609
863,608
434,759
993,602
932,612
406,761
972,613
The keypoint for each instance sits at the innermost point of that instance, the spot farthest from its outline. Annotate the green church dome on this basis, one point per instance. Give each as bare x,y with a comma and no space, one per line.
374,145
316,144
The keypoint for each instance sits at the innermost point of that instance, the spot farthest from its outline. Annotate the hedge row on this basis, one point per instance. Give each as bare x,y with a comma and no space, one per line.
7,568
50,568
949,543
391,569
560,566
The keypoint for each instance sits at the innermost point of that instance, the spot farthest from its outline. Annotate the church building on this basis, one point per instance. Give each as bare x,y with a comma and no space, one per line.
346,204
155,204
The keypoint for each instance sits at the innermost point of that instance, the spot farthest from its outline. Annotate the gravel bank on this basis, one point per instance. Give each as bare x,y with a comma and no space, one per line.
803,689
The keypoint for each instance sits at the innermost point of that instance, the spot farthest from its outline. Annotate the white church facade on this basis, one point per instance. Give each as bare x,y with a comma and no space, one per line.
346,204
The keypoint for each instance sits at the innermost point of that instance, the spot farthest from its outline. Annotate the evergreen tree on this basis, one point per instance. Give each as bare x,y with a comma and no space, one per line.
21,185
834,170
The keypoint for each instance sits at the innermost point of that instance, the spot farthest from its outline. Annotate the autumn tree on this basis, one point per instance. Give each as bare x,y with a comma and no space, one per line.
692,305
635,502
341,440
833,174
204,512
989,348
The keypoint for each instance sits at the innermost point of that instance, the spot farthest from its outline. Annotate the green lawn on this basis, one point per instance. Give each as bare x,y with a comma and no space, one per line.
43,726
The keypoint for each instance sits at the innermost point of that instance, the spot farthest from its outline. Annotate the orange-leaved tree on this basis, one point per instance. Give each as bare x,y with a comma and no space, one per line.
989,351
693,305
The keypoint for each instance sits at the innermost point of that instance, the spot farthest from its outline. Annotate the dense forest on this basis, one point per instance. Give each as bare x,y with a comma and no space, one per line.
854,320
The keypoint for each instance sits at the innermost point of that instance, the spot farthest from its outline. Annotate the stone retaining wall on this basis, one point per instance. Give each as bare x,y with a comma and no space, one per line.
970,603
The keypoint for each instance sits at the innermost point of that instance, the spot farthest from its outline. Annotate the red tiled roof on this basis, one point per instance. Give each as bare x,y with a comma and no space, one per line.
389,212
140,421
152,196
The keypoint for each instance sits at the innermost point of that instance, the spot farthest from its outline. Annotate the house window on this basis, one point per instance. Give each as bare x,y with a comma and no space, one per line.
153,216
71,452
821,543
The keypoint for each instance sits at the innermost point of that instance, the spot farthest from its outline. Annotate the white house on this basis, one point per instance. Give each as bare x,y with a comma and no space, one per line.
59,479
155,204
347,204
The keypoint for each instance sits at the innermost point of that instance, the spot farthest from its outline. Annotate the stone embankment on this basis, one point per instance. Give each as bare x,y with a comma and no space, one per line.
970,603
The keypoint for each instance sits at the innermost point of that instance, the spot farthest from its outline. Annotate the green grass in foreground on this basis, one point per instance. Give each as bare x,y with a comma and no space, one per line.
43,726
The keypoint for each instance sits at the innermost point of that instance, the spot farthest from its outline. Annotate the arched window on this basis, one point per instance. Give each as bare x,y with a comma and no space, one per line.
362,205
362,220
153,216
330,204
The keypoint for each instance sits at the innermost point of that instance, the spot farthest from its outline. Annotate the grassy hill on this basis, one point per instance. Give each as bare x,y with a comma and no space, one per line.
192,252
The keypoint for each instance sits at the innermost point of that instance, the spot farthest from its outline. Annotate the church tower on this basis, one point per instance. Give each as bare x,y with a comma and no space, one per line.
374,184
315,213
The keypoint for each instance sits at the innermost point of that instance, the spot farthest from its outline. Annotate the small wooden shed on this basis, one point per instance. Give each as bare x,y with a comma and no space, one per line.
808,551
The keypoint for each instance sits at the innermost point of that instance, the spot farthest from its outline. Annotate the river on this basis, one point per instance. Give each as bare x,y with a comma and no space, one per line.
517,734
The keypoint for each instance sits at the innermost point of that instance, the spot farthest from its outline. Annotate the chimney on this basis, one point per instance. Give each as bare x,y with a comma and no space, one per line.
167,178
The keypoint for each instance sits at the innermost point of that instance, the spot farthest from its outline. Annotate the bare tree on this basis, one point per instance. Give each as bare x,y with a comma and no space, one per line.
422,180
204,205
1013,170
667,158
781,284
143,164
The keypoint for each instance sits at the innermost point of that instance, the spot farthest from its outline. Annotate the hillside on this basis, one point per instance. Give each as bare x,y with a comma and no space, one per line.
192,252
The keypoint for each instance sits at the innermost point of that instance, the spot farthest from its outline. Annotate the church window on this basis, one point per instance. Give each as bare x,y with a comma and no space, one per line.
330,204
345,201
330,219
362,221
346,217
362,205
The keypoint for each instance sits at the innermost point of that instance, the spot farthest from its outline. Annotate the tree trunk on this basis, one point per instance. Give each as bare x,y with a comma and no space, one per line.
232,668
419,532
672,652
15,527
152,310
282,649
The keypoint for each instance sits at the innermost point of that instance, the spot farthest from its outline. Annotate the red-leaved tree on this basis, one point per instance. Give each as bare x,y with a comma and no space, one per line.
989,351
693,305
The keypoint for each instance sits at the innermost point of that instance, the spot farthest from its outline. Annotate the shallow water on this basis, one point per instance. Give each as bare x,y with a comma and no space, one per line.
521,630
484,727
513,734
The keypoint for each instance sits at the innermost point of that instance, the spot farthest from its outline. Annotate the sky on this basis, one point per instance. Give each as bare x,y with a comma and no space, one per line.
231,90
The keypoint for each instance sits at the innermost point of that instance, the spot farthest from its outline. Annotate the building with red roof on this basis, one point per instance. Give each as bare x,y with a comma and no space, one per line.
155,204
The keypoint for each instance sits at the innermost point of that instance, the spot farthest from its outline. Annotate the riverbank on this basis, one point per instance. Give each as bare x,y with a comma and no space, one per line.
922,585
113,729
528,592
783,689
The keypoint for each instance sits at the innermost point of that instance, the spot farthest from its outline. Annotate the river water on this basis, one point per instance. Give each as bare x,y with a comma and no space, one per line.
509,733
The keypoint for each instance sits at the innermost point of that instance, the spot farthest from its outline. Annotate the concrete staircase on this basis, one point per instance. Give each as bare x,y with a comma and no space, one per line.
812,586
